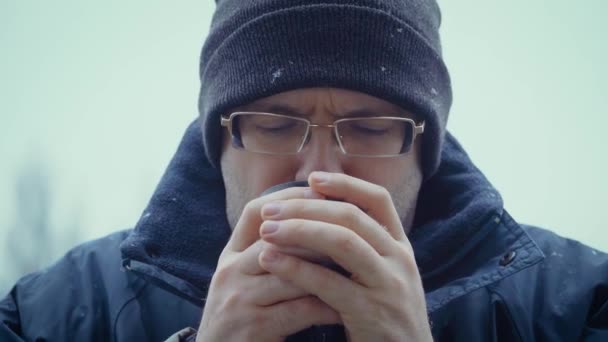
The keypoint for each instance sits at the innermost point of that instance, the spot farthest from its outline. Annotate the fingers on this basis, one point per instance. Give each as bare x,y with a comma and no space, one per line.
332,288
269,289
248,259
343,246
246,231
260,287
339,213
296,315
371,198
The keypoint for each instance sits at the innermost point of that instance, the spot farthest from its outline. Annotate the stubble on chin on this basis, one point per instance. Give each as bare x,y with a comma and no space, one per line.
234,195
405,198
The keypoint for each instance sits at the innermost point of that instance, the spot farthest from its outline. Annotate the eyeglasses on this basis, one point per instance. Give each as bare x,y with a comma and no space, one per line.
381,136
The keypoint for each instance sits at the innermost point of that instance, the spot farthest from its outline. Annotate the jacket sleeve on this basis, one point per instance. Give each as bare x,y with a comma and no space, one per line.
184,335
10,322
597,322
56,303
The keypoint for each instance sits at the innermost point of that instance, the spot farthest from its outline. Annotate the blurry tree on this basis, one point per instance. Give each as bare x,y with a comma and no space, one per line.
31,242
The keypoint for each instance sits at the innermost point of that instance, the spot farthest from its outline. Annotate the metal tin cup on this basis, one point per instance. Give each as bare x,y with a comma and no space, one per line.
284,186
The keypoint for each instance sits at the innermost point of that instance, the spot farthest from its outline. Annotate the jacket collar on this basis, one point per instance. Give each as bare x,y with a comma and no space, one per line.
463,239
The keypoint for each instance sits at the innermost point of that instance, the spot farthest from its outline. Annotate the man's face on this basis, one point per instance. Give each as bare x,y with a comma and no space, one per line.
247,174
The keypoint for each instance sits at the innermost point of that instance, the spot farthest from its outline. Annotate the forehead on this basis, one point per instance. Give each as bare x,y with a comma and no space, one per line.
334,101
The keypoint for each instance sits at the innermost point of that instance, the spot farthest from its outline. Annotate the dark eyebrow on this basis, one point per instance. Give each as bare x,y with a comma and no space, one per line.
360,113
288,110
365,112
276,109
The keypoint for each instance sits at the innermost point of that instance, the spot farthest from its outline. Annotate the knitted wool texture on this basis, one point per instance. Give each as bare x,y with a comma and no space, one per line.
385,48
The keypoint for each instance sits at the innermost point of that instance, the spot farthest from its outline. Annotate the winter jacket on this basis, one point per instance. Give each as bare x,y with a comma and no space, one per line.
486,277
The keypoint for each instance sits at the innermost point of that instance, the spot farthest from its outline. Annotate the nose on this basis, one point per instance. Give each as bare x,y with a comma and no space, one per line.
321,153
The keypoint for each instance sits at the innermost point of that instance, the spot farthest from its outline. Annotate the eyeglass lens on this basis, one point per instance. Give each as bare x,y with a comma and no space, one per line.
259,132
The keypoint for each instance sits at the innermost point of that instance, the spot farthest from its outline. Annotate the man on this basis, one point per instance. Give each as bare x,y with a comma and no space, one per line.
396,236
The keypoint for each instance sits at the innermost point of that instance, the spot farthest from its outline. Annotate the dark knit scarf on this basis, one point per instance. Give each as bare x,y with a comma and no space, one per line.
180,235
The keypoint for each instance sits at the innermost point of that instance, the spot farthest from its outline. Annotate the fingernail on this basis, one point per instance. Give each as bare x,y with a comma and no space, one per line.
271,209
270,256
269,227
320,177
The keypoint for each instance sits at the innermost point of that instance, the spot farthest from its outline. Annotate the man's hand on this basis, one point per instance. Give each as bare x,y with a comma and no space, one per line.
383,300
247,303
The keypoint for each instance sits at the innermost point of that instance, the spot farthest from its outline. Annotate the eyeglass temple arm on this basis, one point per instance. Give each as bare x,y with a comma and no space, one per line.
225,122
419,129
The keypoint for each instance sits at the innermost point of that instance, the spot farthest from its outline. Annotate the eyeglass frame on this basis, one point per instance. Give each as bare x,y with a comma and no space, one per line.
418,130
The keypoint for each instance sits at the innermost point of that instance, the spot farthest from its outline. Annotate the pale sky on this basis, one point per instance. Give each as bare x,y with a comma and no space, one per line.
99,94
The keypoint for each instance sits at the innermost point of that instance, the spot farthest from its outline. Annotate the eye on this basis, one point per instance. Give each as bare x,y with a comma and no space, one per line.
276,126
370,127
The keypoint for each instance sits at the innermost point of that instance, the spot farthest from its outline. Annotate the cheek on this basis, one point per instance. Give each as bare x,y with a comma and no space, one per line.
391,173
402,177
398,175
254,173
267,171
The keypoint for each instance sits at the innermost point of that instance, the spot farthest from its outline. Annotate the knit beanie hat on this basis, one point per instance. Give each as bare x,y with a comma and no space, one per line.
389,49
